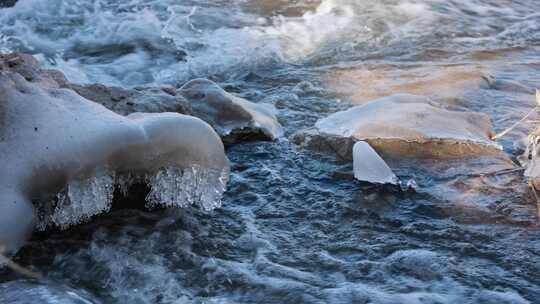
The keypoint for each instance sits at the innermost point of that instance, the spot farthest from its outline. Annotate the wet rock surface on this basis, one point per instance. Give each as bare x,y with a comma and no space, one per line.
141,99
446,84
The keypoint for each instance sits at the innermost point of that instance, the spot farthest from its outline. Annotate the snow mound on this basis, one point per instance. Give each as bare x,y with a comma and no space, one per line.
232,117
53,142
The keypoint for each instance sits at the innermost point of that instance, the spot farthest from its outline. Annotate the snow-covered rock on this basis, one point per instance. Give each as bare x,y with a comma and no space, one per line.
370,167
231,116
56,144
405,125
234,118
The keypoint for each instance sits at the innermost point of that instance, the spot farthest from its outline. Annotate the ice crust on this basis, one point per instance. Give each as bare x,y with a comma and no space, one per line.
53,141
228,114
412,125
234,118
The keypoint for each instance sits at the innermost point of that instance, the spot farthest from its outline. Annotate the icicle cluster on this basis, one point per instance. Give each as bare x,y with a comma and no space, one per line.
170,187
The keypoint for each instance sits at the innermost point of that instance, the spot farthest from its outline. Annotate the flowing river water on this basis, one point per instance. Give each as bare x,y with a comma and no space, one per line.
295,227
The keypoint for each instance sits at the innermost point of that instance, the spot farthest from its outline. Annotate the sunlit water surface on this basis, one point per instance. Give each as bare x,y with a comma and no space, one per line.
295,227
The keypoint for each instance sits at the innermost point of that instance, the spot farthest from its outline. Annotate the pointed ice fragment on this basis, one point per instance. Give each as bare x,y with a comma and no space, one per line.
370,167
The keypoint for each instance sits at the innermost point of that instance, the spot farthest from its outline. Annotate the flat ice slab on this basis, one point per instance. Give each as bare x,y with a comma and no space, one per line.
411,125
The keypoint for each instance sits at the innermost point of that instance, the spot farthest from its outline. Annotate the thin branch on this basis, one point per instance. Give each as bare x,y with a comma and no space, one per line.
18,268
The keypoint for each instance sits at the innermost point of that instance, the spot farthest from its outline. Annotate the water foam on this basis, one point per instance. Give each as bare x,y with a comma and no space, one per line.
139,42
136,43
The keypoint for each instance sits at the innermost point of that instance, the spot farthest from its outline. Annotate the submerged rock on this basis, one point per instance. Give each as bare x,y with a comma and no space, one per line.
64,153
232,117
407,126
447,84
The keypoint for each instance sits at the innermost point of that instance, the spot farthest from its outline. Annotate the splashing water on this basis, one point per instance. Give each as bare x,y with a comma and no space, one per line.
147,42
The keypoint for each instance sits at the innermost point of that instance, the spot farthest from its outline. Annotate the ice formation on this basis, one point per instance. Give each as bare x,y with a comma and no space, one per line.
410,125
404,126
231,116
370,167
53,141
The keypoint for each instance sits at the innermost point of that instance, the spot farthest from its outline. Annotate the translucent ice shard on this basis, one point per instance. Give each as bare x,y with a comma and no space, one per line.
370,167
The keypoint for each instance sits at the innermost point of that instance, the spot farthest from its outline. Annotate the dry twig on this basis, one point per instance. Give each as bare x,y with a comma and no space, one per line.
9,263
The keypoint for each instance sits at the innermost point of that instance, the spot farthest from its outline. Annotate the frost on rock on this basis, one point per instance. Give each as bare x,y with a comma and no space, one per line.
232,117
370,167
53,141
406,125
